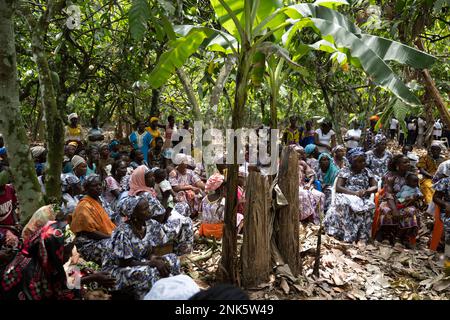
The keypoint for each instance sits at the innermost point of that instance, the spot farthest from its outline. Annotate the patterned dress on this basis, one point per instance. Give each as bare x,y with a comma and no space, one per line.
350,218
189,178
309,200
124,244
379,166
443,185
408,215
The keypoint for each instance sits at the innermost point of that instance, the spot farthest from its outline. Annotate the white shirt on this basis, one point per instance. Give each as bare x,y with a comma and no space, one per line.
394,124
437,129
325,139
352,133
421,124
412,126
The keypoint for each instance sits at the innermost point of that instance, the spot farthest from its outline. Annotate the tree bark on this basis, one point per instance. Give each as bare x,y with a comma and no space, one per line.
190,93
255,252
53,120
229,244
22,167
287,235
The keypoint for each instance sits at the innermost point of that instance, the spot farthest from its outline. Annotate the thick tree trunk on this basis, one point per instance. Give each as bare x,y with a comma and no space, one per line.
22,167
190,93
255,253
229,244
287,235
53,120
154,107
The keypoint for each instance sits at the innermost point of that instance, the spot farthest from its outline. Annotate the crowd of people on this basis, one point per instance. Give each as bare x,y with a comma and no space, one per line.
129,207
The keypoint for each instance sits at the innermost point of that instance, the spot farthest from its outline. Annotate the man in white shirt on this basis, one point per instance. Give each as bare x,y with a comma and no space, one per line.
421,123
437,130
393,128
412,127
353,136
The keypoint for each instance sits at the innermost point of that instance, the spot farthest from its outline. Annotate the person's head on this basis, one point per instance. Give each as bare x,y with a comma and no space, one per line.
241,179
293,121
412,180
149,179
73,120
93,186
221,292
399,164
339,152
160,175
70,150
39,154
355,125
154,122
407,148
140,126
114,146
325,126
82,153
357,159
182,161
324,162
94,122
124,156
435,151
373,121
71,184
186,124
380,143
136,209
79,166
171,120
119,169
93,154
137,155
159,142
308,125
214,183
104,151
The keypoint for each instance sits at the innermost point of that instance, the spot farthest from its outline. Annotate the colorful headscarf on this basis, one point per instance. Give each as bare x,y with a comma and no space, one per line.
2,151
153,119
73,144
374,118
37,151
214,182
332,172
310,148
77,160
443,171
128,204
137,181
379,138
337,148
354,153
90,179
113,144
68,180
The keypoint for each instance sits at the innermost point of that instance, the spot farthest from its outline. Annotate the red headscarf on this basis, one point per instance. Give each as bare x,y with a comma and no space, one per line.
137,182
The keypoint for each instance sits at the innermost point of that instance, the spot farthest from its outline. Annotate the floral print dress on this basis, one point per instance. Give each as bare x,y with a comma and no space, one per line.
379,166
124,244
443,185
188,196
311,202
350,218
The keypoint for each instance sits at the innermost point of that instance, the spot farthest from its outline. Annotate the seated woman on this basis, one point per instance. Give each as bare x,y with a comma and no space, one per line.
91,223
79,166
69,151
441,198
155,155
130,258
427,166
114,148
164,190
378,158
311,201
401,223
186,184
9,225
71,188
177,227
39,155
93,157
327,174
137,159
339,157
312,153
106,161
113,187
350,217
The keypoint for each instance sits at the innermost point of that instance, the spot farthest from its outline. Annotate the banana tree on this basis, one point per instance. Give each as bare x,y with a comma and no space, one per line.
250,26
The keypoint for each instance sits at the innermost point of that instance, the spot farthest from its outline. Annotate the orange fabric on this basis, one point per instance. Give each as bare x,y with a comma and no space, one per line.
89,216
376,217
211,230
437,230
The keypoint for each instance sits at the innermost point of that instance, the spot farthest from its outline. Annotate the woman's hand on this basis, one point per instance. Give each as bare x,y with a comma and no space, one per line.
361,193
161,265
104,279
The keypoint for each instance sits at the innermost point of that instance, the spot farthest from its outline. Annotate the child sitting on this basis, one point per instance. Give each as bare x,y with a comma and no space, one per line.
410,191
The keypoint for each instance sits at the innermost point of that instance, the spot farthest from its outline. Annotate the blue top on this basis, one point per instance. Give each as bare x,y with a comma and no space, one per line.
141,142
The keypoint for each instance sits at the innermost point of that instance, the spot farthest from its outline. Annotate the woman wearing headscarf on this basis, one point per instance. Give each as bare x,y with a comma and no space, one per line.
312,154
327,173
339,158
79,166
177,227
91,222
401,223
378,158
74,132
427,166
9,226
114,148
71,188
350,216
130,256
186,183
39,155
153,130
311,201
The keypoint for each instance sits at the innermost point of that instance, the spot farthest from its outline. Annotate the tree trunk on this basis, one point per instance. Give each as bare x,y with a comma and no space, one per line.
190,93
287,235
53,120
255,253
22,167
229,235
154,108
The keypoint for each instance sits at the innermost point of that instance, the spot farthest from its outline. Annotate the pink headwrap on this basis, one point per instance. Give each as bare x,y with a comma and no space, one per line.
214,182
137,182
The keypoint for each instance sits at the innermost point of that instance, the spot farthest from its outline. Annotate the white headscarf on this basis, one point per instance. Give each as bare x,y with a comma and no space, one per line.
72,116
77,160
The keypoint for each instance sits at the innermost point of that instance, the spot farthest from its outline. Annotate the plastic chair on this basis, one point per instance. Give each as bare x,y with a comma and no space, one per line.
438,229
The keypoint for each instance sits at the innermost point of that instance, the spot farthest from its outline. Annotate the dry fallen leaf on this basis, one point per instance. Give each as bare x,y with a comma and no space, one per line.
284,285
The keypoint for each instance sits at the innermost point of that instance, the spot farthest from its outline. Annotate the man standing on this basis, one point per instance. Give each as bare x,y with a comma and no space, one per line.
393,128
437,130
421,124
